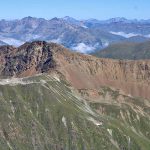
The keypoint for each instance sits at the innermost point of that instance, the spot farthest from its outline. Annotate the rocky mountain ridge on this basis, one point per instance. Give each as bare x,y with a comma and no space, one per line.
78,35
82,71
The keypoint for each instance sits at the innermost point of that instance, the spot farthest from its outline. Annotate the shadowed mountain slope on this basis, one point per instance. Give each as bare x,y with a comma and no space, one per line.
126,50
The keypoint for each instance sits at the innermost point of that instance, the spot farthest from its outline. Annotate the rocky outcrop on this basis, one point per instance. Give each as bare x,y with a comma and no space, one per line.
82,71
29,59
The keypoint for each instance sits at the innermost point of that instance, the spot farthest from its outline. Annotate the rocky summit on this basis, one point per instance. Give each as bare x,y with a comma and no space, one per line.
55,99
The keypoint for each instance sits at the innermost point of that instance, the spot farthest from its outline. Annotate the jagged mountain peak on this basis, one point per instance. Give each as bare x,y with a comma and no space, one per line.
55,19
29,18
29,59
71,19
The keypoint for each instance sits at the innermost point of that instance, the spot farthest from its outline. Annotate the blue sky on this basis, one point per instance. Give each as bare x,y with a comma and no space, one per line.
80,9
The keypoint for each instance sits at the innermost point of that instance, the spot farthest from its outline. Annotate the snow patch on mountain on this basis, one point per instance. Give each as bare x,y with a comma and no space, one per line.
64,121
98,123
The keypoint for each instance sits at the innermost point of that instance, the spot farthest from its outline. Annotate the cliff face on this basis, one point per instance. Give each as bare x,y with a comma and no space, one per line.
82,71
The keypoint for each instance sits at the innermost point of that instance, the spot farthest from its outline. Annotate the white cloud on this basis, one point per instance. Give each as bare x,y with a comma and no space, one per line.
11,41
126,35
83,48
105,44
84,27
29,37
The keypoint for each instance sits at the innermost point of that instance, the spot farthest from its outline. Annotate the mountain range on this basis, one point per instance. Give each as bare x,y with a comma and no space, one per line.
80,35
53,98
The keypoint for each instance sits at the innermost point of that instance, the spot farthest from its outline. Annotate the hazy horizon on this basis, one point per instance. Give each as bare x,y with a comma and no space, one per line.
9,19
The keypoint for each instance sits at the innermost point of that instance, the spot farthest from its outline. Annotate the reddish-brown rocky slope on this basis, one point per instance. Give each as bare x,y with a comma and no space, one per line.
82,71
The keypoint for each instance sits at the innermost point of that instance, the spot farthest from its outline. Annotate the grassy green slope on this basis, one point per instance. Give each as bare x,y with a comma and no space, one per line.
127,116
126,50
44,113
